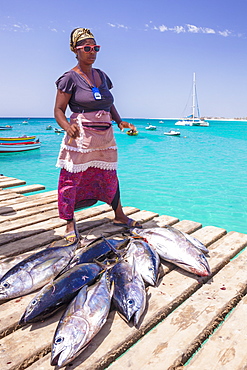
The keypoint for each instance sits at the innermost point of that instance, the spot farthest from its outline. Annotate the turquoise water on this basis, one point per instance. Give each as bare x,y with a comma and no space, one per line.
199,176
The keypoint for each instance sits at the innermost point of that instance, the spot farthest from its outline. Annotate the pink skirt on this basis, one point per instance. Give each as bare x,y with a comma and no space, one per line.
83,189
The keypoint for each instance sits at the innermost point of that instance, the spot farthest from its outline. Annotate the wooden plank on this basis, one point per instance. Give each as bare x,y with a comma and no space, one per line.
27,212
29,188
109,343
4,197
226,348
11,183
27,202
6,178
190,324
24,222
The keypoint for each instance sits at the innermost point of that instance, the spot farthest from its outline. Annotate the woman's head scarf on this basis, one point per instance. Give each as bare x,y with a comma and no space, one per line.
79,34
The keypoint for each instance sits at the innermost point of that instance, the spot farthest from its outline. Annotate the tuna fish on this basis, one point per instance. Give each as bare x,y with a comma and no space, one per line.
82,320
129,296
146,259
36,270
177,247
60,291
98,250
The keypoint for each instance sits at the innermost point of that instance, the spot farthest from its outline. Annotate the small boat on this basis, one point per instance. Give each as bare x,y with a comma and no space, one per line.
7,127
172,133
25,122
58,130
193,119
49,127
14,148
132,133
17,140
150,127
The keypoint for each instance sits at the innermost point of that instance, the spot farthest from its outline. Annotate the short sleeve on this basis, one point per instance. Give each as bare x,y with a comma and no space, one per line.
65,83
108,80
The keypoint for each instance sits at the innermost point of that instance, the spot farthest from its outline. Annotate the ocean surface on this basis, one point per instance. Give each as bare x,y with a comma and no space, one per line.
200,175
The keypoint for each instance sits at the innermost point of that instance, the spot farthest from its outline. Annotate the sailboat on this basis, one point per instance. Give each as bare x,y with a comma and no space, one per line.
193,119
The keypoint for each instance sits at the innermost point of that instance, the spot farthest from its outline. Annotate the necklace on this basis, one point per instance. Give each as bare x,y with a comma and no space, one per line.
86,77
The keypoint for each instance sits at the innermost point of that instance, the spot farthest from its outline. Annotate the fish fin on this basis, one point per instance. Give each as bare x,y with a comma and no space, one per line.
46,264
112,247
80,299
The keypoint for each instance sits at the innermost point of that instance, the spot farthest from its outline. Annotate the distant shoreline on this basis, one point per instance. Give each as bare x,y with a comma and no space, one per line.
151,118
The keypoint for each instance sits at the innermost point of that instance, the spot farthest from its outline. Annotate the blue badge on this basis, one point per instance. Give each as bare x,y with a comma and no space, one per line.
96,93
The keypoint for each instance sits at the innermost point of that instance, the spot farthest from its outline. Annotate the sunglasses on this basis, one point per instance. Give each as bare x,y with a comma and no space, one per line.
89,48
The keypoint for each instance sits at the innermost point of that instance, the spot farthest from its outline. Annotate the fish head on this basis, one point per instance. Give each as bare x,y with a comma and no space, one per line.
201,267
68,340
134,304
151,275
30,311
13,284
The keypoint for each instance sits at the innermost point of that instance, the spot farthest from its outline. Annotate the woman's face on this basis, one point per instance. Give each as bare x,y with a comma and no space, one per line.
86,57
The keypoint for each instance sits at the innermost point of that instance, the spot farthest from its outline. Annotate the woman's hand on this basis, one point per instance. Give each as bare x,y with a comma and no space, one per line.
73,131
123,124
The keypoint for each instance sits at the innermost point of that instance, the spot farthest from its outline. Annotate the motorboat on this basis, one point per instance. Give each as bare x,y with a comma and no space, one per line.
132,132
58,130
14,148
7,127
17,140
49,127
172,133
150,127
193,119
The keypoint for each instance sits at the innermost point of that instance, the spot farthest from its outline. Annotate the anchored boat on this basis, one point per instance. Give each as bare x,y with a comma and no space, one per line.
193,119
7,127
18,144
150,127
17,140
132,133
172,133
13,148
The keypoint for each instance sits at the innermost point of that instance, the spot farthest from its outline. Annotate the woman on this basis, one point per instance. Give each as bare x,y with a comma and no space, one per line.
88,154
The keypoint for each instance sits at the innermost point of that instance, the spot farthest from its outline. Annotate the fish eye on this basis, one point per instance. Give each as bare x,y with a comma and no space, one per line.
59,340
6,285
151,268
130,302
34,302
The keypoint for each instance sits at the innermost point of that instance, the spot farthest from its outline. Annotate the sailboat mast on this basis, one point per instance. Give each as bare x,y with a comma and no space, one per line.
194,96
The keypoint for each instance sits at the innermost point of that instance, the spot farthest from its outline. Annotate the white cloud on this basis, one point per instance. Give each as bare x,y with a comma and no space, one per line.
188,28
208,30
163,28
177,29
225,33
193,29
15,27
118,25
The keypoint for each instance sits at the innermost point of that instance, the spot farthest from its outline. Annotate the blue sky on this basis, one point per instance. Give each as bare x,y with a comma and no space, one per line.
150,50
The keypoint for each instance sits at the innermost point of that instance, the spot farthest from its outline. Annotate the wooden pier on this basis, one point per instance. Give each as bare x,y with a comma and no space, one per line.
190,322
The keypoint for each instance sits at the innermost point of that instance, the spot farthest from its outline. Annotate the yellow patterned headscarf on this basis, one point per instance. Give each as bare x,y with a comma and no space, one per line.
79,34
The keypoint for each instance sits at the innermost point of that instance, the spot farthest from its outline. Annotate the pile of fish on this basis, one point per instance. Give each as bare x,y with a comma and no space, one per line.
89,280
